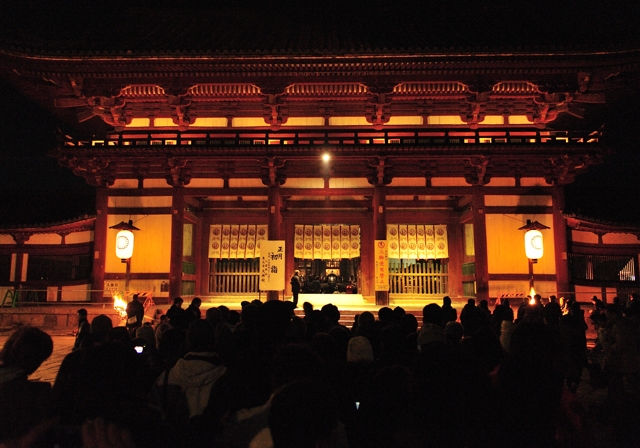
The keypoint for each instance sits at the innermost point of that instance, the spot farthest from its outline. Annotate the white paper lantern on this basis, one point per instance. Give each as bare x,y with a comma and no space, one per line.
533,245
124,244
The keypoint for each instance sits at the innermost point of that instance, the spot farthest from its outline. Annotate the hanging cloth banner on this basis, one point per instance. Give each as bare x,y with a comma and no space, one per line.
442,245
412,242
317,242
335,241
308,242
354,251
326,242
430,241
233,243
242,242
262,232
215,233
404,244
394,242
345,242
298,241
422,247
226,241
251,242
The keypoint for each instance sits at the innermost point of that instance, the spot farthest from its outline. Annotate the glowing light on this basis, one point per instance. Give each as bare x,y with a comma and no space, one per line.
119,304
532,294
533,244
124,244
326,157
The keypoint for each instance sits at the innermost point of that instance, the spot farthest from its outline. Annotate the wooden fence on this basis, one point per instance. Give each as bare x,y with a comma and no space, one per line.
235,276
418,277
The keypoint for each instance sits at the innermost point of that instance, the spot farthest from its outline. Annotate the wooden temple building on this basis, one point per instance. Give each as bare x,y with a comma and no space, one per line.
211,139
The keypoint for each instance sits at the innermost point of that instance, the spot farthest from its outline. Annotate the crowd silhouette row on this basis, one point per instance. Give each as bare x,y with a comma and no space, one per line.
266,377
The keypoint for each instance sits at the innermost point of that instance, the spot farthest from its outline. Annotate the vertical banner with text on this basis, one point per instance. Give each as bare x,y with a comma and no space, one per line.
272,265
381,254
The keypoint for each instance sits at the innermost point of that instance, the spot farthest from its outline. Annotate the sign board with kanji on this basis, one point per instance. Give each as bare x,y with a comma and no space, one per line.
272,275
381,254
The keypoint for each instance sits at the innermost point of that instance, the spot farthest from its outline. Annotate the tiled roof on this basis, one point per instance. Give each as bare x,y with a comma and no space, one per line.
288,27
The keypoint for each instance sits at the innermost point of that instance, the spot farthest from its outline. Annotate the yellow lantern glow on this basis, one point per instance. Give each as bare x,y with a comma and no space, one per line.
533,245
124,244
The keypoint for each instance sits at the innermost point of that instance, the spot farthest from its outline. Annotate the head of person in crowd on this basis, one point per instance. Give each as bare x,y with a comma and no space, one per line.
432,313
26,349
100,326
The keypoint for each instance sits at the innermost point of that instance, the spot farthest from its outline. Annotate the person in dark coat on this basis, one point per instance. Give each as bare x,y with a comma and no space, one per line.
193,310
135,315
295,287
84,328
177,315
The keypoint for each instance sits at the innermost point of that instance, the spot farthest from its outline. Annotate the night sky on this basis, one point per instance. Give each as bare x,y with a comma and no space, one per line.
36,190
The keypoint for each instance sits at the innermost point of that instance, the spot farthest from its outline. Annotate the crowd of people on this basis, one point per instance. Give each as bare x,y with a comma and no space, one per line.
266,377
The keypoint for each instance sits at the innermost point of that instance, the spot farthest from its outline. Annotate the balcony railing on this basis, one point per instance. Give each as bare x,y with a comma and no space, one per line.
346,137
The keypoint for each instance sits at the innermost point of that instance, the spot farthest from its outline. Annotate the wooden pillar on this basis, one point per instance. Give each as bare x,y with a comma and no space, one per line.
100,230
275,222
177,235
480,245
560,243
379,232
456,255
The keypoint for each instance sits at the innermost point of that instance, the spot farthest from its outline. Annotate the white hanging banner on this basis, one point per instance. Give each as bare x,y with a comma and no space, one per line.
233,242
422,247
412,241
404,244
251,242
354,251
262,232
317,242
393,239
215,233
298,241
226,241
442,244
335,241
326,242
271,265
242,242
430,241
344,241
308,242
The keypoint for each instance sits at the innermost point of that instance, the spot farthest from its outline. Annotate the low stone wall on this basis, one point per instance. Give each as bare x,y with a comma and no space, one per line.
53,318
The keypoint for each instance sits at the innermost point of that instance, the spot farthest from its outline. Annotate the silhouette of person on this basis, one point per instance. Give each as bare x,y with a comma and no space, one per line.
295,287
135,315
84,328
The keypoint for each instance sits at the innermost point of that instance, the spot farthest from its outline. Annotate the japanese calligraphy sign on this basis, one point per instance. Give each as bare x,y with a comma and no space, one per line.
381,265
272,275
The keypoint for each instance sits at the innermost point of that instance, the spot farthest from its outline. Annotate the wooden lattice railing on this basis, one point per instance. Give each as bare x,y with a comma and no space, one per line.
421,277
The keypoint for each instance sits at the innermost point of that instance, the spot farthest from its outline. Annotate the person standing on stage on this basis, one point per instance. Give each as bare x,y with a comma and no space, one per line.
295,287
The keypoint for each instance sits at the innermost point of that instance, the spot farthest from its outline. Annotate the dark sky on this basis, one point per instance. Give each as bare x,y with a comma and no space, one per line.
35,189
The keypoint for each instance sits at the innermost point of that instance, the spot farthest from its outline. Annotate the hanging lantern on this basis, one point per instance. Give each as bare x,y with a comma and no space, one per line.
124,244
533,244
124,239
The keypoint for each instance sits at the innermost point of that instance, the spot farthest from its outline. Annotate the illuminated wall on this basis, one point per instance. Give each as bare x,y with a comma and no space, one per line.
152,246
